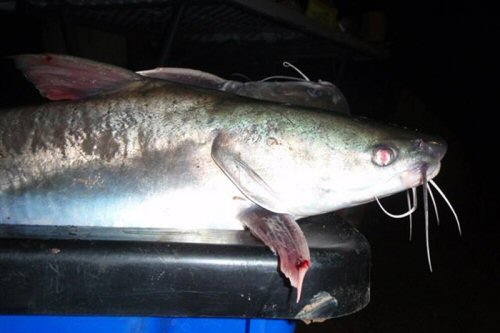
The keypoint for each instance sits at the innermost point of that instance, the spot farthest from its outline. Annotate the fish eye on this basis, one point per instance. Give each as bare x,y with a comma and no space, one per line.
383,155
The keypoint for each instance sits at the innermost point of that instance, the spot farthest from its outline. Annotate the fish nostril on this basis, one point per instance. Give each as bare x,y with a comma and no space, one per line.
435,148
439,148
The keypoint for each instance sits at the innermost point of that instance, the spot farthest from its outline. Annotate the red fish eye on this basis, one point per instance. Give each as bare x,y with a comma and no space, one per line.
383,156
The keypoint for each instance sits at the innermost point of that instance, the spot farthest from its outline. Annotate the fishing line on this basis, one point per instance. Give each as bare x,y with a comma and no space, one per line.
282,77
286,64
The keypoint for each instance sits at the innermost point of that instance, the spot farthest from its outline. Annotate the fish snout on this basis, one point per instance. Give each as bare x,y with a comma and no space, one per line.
435,148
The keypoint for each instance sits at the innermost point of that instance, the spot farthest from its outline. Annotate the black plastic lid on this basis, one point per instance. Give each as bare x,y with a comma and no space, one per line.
107,271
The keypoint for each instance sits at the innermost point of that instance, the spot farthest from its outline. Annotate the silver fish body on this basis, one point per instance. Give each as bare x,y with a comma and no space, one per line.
136,158
157,154
130,151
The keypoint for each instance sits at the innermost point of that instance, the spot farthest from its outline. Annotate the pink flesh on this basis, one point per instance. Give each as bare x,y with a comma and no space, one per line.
283,235
60,77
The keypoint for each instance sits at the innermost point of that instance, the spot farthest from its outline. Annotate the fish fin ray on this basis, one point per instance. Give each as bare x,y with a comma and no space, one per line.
248,181
283,235
62,77
186,76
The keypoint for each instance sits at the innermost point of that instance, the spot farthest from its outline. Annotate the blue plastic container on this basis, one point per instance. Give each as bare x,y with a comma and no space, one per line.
107,324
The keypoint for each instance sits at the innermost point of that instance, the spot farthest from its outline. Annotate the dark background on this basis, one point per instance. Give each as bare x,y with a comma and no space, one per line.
439,77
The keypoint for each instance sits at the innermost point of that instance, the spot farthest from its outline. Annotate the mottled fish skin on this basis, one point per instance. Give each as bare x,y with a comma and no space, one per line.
114,160
151,144
149,153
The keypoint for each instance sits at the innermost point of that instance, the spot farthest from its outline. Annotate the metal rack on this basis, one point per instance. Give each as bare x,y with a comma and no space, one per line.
186,29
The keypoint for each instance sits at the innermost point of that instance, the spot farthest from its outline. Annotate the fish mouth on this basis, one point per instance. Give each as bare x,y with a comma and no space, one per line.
433,151
430,171
419,175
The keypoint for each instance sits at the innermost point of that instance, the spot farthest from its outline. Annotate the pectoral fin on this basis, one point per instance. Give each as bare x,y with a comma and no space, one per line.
283,235
226,153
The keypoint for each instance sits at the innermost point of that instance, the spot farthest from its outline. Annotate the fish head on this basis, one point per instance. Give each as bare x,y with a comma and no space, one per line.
412,159
307,163
402,164
379,161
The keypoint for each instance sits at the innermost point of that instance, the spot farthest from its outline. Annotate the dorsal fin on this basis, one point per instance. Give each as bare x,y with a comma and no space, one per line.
59,77
185,75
